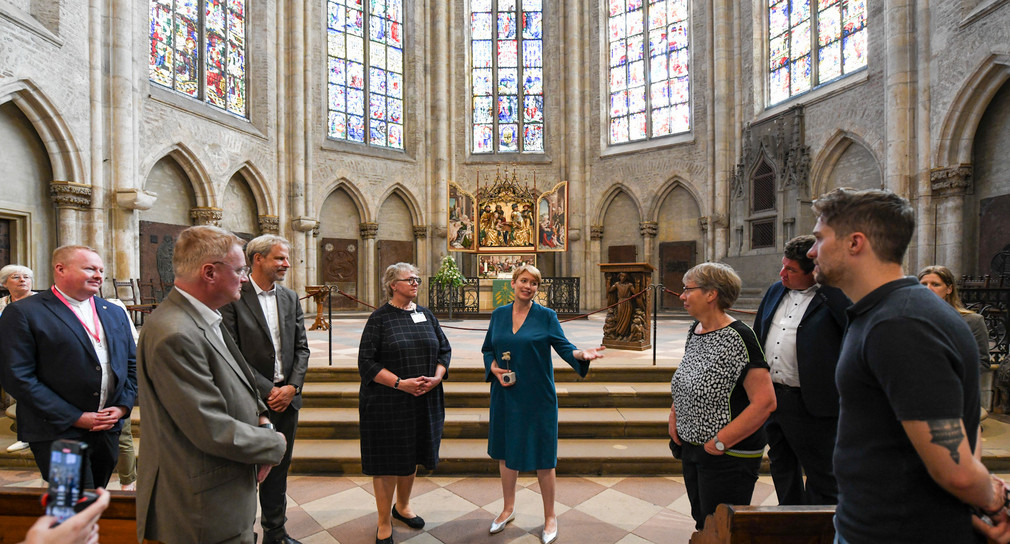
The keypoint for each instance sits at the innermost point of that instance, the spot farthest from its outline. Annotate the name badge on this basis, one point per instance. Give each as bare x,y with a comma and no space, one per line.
418,317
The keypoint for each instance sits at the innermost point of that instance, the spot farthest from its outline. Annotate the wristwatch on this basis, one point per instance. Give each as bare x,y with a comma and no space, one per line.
718,444
268,426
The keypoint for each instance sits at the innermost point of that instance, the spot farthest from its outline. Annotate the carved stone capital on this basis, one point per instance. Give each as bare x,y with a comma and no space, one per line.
955,180
649,229
595,232
574,235
703,224
135,199
368,230
420,231
269,224
67,194
303,224
206,216
315,231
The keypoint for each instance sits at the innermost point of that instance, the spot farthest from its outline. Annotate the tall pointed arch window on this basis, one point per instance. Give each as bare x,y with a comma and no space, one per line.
649,88
812,42
364,47
507,73
198,48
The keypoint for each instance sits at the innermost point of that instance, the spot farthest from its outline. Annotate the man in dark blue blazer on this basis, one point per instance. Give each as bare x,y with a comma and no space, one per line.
70,361
800,324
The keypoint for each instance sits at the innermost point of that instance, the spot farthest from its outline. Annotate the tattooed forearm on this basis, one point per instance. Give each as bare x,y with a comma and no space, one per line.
947,433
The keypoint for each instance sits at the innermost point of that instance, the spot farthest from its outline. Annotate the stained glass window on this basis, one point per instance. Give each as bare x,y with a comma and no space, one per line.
811,42
198,49
649,77
507,59
365,71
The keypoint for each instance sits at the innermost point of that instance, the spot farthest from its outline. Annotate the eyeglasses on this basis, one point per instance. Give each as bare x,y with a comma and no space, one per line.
18,277
686,289
242,272
413,280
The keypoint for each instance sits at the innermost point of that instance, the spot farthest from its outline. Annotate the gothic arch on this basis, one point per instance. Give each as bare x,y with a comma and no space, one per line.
356,196
64,154
257,183
408,199
613,192
199,179
957,134
826,160
672,185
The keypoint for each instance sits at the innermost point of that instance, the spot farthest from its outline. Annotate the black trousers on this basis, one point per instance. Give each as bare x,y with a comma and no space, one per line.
712,480
800,443
100,464
273,501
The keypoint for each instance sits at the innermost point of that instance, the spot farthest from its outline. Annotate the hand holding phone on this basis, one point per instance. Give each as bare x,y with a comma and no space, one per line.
66,480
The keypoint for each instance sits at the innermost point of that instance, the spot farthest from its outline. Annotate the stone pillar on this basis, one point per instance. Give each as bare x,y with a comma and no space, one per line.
71,200
924,220
948,187
724,129
298,134
124,110
441,23
311,273
369,280
899,109
575,41
423,258
591,286
648,230
206,215
269,224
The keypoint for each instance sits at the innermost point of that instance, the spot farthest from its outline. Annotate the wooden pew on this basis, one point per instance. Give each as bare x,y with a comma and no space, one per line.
768,525
19,508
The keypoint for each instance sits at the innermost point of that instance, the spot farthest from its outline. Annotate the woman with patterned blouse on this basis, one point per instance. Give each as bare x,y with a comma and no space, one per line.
402,359
17,280
722,395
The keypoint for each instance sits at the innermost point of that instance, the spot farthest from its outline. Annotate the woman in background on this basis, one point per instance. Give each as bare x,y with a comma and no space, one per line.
402,359
722,395
940,280
523,427
17,280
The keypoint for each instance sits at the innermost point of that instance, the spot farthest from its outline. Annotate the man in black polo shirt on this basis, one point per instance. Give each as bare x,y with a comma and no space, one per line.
908,428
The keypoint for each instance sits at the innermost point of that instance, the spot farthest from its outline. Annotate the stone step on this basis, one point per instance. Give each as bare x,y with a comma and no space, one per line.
597,456
461,394
588,423
562,374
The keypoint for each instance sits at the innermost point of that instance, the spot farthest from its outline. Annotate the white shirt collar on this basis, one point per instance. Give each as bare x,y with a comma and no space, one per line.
256,288
71,299
211,317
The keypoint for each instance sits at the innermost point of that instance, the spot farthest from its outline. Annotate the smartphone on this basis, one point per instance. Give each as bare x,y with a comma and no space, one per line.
66,478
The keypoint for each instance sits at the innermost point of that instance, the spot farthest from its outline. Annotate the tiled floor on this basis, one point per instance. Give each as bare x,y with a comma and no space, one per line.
457,510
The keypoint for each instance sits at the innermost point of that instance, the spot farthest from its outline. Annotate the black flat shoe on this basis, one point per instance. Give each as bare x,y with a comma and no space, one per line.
384,540
416,522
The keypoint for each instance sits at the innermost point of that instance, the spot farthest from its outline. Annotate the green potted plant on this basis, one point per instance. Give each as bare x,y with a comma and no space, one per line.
448,275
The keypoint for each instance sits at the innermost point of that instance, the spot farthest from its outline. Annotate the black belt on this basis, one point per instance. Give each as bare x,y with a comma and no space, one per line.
784,387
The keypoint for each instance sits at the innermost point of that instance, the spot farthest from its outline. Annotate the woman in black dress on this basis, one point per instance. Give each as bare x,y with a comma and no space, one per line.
402,359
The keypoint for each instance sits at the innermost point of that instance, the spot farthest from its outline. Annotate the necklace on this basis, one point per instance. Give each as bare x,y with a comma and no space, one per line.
408,307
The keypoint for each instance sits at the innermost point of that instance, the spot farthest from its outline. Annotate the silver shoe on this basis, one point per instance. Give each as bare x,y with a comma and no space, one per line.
499,527
547,538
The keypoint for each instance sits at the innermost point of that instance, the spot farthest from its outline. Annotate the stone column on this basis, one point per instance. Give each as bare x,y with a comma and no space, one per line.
592,285
423,257
206,215
899,109
298,134
724,129
925,222
123,137
441,91
948,187
648,230
72,200
575,40
369,279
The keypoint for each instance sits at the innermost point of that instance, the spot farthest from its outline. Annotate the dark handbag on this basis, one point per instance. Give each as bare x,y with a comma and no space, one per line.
676,449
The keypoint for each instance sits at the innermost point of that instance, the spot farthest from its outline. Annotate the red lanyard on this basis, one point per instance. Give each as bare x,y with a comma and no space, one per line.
94,311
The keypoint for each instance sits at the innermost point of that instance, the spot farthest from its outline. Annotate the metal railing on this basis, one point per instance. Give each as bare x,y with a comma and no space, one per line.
990,297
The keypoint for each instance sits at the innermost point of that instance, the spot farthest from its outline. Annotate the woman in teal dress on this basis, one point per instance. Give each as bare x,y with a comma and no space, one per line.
523,429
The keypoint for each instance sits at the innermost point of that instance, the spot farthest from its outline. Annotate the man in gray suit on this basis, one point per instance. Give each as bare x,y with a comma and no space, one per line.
268,325
207,437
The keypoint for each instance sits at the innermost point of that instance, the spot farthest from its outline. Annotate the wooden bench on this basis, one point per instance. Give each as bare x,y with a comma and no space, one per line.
19,508
768,525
